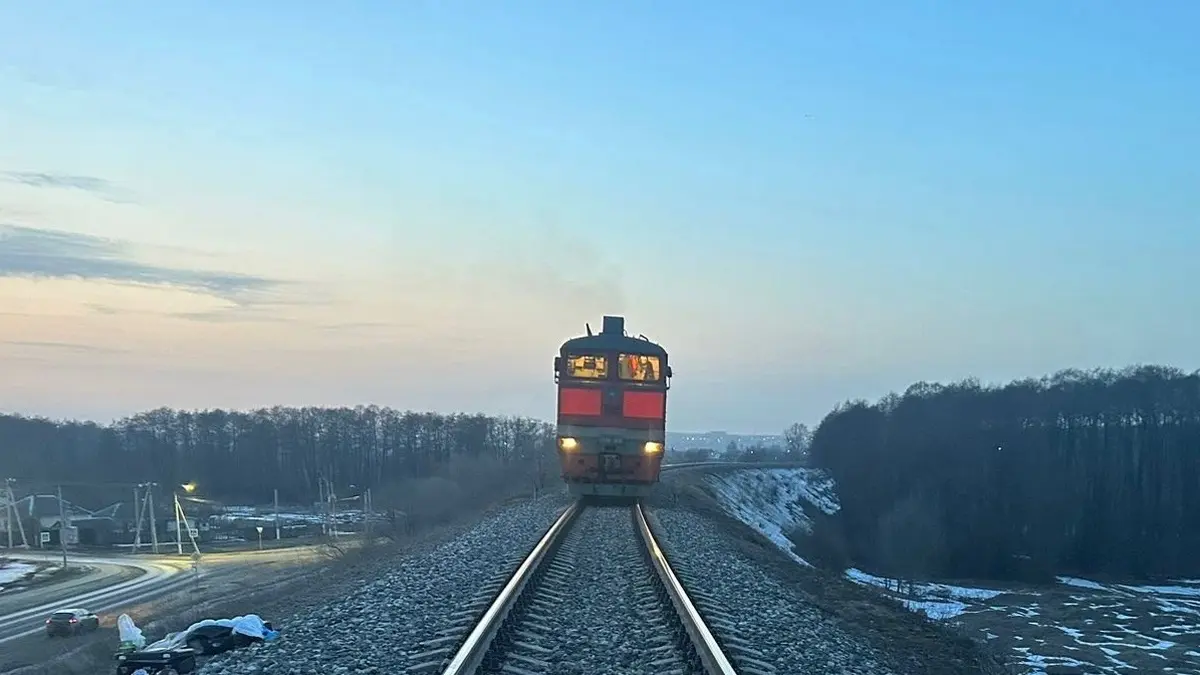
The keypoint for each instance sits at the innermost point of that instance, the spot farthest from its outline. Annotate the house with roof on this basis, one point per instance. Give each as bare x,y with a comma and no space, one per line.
38,513
119,521
42,513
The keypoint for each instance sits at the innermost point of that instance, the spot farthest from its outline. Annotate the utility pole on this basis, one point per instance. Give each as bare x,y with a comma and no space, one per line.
324,505
332,511
178,526
62,526
370,512
153,516
276,514
13,513
9,507
182,515
137,519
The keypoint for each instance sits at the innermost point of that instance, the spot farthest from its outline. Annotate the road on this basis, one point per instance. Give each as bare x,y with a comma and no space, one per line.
116,583
79,580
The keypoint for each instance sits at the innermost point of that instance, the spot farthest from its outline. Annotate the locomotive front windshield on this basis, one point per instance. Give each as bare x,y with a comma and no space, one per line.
587,366
639,368
630,367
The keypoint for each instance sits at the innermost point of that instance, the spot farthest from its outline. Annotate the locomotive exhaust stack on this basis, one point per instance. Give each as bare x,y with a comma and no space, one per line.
614,325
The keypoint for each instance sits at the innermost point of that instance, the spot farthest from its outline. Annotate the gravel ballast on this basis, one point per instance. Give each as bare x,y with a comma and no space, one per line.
793,636
378,626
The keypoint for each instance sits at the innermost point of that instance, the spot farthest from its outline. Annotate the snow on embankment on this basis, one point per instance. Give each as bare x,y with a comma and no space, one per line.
12,572
775,501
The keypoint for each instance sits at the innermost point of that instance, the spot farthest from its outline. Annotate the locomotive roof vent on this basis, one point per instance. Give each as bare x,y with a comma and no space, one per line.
614,325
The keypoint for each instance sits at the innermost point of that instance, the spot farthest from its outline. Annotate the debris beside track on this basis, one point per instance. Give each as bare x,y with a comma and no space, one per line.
377,627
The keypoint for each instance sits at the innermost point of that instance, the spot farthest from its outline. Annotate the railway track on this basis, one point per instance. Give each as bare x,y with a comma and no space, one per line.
596,595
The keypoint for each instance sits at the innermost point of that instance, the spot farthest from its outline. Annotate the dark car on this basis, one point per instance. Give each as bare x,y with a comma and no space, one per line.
156,661
215,639
66,622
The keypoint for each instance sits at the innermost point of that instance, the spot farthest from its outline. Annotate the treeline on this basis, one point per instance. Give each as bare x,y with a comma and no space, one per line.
1080,472
242,457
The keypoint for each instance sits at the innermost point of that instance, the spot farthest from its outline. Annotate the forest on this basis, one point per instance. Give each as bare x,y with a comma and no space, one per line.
1079,472
442,463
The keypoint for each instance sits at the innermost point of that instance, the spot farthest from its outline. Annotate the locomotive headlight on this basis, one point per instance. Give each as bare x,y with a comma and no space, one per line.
652,448
568,443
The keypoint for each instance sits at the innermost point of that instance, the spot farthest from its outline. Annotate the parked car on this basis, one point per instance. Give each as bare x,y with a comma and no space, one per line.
156,661
67,622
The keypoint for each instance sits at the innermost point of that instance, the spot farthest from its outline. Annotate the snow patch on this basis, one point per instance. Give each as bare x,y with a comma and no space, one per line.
773,501
938,610
923,589
1165,590
14,572
1082,583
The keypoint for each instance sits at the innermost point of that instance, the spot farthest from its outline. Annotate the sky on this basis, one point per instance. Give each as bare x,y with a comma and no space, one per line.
413,203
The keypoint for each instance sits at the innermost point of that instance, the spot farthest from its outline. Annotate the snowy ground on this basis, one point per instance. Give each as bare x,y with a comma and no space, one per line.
1079,626
259,515
774,501
13,572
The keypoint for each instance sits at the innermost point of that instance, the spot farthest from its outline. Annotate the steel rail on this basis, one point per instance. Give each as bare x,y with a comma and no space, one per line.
707,648
470,654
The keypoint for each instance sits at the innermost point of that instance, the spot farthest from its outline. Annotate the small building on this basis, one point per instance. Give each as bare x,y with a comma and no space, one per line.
47,511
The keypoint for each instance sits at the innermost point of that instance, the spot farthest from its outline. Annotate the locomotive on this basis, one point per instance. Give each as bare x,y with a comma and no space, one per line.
612,412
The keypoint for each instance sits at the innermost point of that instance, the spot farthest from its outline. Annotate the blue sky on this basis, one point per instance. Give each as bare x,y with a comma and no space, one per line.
412,203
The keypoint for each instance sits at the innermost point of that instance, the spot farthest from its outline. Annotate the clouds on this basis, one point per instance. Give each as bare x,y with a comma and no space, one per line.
39,179
36,253
74,347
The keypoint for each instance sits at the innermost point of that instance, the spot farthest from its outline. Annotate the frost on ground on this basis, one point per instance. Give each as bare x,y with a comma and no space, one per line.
376,628
775,501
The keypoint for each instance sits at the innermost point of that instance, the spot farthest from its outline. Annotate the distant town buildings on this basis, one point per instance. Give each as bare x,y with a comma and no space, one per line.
718,441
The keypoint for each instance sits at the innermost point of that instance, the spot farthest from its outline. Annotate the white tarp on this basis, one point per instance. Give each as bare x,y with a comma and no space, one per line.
250,625
130,634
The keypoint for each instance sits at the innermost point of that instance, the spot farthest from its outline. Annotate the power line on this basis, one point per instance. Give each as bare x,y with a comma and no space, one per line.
69,483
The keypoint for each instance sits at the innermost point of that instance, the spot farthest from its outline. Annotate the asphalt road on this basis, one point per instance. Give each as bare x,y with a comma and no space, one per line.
79,580
114,583
117,582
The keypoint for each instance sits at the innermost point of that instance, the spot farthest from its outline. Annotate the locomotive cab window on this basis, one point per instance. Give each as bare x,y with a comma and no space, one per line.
640,368
588,367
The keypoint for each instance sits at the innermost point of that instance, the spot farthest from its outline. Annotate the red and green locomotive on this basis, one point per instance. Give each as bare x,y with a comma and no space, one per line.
612,411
